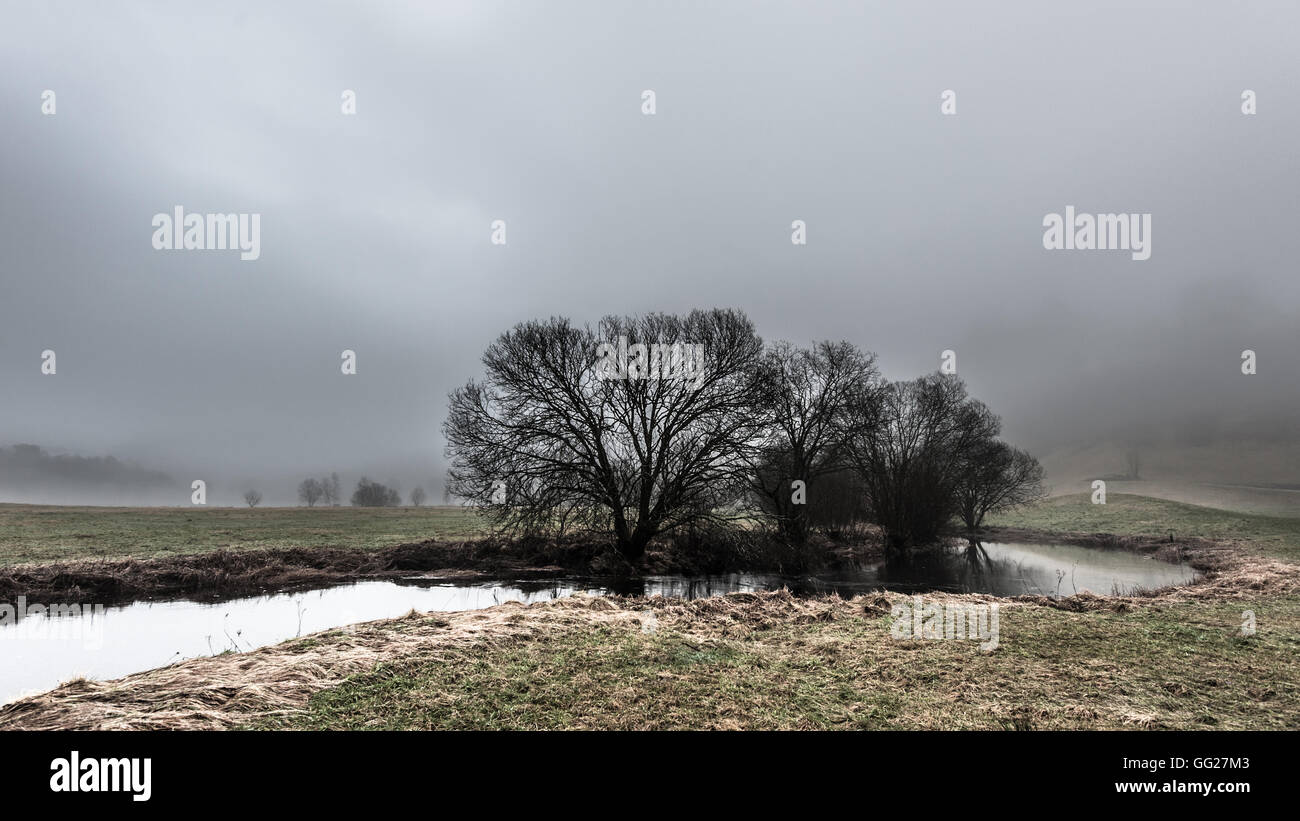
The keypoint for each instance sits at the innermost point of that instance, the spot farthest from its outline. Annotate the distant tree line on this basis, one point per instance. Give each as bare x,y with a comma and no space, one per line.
368,493
31,466
555,440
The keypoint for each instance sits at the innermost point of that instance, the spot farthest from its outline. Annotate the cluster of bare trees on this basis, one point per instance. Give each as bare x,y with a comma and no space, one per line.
326,491
807,407
803,438
911,447
374,494
367,494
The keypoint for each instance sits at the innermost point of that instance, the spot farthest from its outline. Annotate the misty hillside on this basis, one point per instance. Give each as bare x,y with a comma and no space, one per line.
29,473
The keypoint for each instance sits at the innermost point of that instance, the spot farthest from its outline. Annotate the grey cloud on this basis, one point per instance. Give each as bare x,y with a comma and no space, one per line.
924,231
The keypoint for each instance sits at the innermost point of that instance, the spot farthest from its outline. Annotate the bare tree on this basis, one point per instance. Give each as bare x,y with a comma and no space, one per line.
911,442
310,491
631,431
839,503
1134,459
330,490
997,477
253,498
418,496
374,494
807,397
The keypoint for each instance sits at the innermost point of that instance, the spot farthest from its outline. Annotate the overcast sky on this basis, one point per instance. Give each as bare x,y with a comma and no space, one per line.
924,230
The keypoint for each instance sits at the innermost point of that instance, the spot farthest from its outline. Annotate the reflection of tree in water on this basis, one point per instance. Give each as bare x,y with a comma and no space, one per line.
977,558
958,566
966,569
695,587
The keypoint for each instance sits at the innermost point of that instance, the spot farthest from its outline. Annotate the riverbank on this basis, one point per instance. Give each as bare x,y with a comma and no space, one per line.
222,574
744,661
112,568
1176,658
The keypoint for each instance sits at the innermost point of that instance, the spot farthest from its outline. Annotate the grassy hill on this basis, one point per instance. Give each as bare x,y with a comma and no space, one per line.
1129,515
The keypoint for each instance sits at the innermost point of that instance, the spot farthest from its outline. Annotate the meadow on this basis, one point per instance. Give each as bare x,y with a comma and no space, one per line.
1174,659
45,533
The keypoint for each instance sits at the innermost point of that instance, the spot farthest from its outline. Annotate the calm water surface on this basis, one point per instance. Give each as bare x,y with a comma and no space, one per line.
38,652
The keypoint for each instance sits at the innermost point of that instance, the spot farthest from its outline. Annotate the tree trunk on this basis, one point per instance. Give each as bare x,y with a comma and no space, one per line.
633,545
795,528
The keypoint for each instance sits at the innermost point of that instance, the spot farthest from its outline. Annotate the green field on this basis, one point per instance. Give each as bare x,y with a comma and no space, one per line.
745,661
1169,666
38,533
1268,500
1184,667
1125,515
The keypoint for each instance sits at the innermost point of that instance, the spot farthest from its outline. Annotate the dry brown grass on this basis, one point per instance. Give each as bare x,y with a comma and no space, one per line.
232,689
221,691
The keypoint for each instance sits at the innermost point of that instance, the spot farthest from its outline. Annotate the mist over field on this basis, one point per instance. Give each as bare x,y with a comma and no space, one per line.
924,231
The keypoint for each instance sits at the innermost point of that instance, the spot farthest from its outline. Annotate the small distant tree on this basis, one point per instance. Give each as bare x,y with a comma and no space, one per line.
418,496
374,494
1134,460
311,491
253,498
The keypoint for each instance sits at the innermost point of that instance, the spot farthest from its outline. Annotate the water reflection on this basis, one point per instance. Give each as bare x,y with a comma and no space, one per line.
39,651
1024,569
969,567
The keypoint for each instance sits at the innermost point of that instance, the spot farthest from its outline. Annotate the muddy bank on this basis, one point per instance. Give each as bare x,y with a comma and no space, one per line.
224,574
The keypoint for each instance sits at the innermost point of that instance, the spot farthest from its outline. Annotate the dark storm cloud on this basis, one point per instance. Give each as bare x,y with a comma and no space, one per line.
924,230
